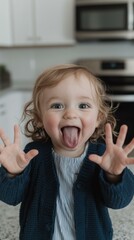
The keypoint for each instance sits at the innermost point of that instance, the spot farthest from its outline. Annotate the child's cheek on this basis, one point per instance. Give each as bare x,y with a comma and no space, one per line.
90,123
50,123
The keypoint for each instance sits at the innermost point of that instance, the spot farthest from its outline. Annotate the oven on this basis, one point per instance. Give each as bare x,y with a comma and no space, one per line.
118,75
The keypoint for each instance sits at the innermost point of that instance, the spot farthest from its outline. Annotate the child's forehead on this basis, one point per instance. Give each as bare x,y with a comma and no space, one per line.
74,79
71,85
77,78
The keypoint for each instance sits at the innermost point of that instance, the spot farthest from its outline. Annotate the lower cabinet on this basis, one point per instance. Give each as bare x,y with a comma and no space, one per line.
11,108
25,97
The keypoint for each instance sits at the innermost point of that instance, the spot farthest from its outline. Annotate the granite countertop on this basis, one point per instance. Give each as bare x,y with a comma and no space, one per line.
123,222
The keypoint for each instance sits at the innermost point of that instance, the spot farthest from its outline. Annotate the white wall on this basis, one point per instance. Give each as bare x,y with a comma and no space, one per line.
27,63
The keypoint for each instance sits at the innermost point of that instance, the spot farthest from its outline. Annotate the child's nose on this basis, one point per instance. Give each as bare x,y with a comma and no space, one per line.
70,114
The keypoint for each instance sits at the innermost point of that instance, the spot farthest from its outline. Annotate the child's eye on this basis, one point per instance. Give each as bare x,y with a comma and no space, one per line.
84,105
57,106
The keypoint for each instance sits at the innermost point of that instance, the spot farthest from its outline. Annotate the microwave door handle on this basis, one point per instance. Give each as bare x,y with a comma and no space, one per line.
122,98
130,16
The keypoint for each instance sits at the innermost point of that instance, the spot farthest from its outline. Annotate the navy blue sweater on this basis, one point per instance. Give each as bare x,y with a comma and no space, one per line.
37,188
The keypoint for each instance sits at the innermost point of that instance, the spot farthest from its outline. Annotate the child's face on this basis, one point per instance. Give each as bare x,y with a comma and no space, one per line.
70,114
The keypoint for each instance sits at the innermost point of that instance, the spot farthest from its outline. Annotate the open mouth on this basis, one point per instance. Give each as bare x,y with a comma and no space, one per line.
70,136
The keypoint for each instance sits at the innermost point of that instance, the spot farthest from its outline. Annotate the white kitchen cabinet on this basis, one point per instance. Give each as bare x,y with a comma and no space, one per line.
54,21
5,23
3,112
23,22
9,112
26,96
37,22
21,97
11,108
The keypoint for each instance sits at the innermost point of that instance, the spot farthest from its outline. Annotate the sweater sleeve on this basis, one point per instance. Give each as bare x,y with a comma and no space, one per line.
12,189
117,195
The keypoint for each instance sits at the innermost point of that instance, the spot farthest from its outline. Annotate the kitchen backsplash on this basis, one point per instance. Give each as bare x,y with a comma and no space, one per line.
27,63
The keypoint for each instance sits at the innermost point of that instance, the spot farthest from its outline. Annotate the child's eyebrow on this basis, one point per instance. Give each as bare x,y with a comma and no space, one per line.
56,98
84,97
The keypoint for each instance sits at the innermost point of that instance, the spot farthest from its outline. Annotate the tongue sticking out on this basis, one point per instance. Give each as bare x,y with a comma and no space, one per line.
70,136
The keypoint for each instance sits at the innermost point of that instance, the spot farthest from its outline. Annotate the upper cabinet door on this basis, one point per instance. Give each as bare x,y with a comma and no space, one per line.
23,22
5,23
54,21
36,22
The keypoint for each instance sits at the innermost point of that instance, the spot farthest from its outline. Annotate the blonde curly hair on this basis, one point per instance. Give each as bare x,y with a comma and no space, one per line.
50,78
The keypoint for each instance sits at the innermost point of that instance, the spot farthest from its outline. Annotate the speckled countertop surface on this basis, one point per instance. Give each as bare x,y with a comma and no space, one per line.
123,222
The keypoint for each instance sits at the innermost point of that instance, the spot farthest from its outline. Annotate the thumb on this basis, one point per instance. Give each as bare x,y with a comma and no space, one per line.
95,158
26,158
31,154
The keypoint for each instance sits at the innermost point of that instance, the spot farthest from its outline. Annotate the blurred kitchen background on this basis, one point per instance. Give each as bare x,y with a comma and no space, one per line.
36,34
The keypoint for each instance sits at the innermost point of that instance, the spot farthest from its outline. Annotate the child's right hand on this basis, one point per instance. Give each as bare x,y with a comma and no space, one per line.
12,158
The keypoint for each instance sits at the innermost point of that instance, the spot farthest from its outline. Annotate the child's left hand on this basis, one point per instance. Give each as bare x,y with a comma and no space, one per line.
115,158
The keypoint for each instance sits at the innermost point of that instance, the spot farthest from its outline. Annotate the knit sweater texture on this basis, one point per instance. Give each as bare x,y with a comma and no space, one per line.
36,188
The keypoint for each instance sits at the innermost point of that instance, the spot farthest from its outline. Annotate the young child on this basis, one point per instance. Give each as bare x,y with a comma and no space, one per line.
65,179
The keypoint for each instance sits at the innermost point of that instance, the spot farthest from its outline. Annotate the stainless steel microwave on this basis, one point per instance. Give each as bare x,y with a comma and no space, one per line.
104,19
